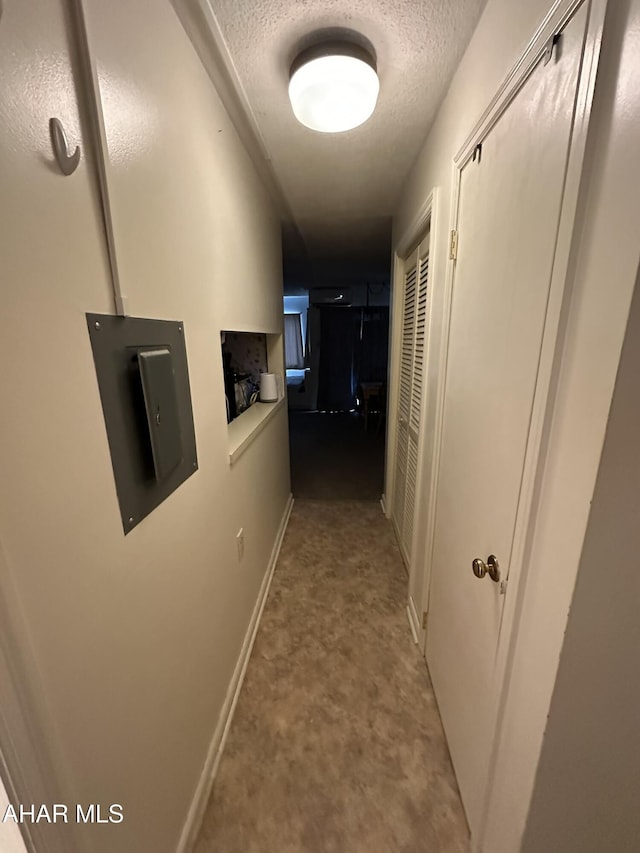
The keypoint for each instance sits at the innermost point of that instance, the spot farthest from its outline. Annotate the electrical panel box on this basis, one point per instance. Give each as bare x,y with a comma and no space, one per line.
143,378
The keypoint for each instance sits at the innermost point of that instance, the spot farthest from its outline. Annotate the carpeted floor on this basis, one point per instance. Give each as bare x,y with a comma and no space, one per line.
336,745
333,457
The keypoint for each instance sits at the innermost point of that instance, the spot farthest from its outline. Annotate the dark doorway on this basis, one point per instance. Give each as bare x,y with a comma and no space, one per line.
334,458
337,450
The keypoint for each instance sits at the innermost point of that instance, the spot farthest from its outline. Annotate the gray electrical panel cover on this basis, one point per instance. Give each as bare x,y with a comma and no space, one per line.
141,367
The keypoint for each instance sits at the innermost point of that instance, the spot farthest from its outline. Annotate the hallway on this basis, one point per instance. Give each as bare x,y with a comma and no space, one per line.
162,196
336,743
333,457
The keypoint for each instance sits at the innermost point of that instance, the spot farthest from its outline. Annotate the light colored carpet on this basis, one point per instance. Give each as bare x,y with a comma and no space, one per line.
336,745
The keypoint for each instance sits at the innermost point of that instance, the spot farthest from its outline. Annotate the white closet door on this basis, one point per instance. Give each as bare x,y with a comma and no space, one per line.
509,209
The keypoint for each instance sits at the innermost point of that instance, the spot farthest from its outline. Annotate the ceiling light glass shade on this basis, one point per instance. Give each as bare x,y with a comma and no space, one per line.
335,92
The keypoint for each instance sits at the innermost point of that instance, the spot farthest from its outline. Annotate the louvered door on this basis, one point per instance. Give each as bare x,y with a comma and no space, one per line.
415,409
412,365
404,398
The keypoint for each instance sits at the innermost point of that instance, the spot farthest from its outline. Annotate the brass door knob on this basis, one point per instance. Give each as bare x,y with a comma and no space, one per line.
491,568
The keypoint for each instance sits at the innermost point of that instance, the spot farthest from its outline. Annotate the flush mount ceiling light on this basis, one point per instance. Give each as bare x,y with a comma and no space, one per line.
333,86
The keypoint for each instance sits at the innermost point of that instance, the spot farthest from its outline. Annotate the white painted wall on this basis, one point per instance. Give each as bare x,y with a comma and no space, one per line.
602,277
10,838
586,792
131,642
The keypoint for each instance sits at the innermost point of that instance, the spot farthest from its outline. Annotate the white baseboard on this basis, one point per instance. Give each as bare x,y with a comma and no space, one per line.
384,506
216,748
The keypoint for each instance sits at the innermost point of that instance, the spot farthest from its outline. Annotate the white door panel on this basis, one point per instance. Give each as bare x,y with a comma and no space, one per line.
508,213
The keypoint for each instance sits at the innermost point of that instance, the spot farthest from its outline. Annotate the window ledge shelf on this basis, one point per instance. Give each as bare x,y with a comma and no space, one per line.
245,428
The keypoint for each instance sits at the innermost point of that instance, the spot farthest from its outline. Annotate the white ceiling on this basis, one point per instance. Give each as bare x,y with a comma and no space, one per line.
340,190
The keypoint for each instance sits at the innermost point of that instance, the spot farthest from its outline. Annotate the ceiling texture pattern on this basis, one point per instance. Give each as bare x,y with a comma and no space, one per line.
341,190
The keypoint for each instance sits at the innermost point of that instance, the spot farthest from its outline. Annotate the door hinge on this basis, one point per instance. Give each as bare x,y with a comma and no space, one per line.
424,620
548,48
453,246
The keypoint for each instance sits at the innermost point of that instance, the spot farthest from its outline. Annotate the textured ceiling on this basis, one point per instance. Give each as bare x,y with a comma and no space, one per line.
342,189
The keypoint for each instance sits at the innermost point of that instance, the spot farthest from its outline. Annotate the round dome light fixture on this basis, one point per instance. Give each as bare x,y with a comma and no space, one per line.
333,87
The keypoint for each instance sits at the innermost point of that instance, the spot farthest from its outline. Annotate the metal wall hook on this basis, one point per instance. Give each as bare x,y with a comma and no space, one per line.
68,162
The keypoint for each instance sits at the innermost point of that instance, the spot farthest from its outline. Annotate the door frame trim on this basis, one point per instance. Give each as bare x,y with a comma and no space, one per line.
426,486
410,240
425,221
556,19
417,228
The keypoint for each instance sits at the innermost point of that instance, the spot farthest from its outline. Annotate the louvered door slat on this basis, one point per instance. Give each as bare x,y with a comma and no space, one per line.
418,377
410,493
404,399
400,481
412,371
406,354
